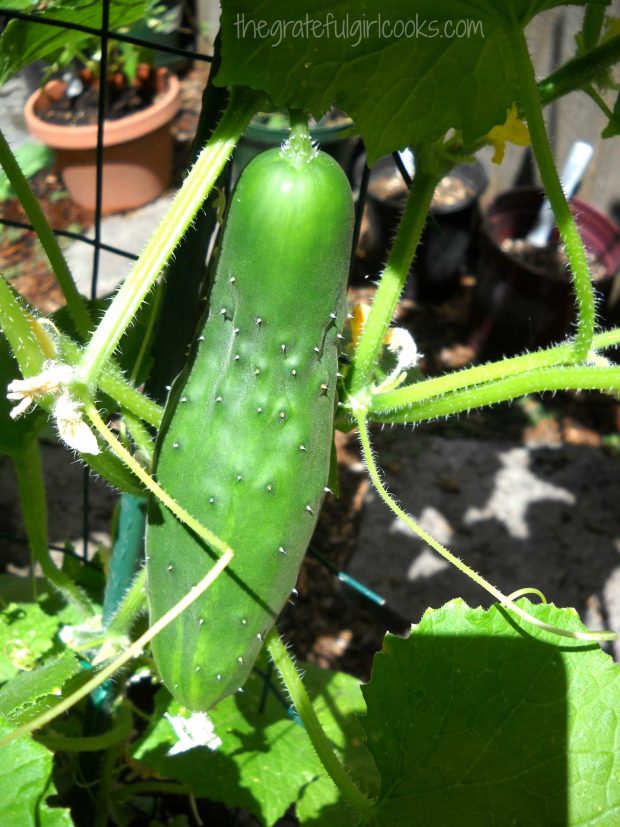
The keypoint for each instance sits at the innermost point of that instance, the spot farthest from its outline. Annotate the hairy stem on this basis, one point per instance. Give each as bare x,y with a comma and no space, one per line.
579,71
573,245
161,245
49,242
129,608
299,696
394,407
393,278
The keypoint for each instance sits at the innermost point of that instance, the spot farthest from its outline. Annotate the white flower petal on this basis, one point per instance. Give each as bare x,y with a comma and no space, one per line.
194,731
72,428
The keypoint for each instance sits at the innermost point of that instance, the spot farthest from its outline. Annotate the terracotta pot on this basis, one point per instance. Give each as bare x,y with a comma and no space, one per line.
518,306
137,157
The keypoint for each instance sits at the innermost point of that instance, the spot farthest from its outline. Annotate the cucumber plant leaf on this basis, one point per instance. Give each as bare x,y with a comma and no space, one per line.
24,42
28,629
265,760
477,720
30,693
400,89
26,784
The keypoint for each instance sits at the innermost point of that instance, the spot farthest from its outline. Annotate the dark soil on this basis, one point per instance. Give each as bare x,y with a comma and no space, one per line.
123,97
550,260
449,193
22,259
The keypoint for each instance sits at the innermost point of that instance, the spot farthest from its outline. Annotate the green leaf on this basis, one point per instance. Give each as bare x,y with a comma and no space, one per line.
26,784
399,90
23,42
28,630
18,5
266,761
613,127
475,720
30,693
31,158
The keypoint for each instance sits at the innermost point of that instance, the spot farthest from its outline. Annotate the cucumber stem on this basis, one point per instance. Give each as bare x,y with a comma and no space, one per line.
573,245
199,182
395,408
299,124
394,276
324,750
49,242
298,148
482,375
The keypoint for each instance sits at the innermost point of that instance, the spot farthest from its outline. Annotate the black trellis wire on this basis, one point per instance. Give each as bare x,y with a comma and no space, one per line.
374,600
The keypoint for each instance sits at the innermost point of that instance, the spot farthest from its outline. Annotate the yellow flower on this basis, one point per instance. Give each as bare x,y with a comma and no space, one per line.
513,129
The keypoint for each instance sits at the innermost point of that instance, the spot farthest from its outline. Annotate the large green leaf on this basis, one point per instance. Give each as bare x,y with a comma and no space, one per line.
26,784
23,42
475,720
28,630
266,761
400,90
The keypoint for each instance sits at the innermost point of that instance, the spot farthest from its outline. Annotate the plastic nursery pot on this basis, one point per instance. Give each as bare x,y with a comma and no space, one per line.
446,244
520,304
137,156
334,139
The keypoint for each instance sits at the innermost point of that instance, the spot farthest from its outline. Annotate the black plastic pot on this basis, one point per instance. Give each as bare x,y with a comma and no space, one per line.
446,246
334,140
519,306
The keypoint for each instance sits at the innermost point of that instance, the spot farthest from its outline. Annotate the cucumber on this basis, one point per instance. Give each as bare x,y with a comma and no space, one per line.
246,441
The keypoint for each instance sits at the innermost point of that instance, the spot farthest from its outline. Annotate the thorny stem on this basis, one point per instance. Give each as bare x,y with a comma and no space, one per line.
132,604
393,278
299,696
451,558
131,652
573,245
395,408
160,247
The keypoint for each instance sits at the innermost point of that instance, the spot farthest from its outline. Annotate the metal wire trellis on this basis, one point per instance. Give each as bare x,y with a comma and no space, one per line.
374,600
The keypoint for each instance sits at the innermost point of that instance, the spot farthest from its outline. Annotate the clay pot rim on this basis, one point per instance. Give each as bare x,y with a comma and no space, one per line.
579,209
119,131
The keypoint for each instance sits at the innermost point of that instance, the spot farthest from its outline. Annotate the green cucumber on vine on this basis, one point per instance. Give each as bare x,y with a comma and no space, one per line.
246,440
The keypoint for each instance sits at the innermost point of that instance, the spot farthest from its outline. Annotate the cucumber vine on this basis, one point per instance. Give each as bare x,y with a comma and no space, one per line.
56,369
